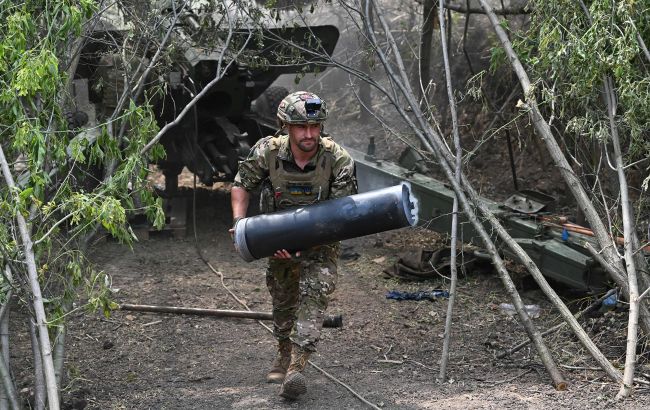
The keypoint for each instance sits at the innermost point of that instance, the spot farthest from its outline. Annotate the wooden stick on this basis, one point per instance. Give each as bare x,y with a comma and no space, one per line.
329,321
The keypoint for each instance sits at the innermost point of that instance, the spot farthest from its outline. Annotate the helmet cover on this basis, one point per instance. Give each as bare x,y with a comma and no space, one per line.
302,107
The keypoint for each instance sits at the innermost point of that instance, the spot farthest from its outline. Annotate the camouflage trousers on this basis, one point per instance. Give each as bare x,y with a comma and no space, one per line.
299,290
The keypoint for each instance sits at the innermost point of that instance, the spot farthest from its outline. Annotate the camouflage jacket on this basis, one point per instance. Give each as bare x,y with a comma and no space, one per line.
254,170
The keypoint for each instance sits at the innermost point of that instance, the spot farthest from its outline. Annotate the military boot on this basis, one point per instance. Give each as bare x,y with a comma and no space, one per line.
295,382
281,362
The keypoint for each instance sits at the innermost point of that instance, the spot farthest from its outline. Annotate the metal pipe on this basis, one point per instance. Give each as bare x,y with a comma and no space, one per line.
326,222
328,321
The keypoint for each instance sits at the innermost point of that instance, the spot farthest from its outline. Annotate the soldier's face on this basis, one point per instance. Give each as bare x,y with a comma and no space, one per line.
304,136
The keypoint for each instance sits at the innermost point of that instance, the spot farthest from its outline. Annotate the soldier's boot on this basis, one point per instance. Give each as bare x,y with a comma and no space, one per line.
295,383
281,362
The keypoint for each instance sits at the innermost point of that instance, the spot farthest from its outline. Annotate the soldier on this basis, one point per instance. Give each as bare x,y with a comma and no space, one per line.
295,169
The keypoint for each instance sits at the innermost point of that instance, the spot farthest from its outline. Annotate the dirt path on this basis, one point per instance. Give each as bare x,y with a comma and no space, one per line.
387,350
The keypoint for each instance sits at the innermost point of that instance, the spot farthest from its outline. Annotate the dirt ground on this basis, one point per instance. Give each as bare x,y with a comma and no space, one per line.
387,351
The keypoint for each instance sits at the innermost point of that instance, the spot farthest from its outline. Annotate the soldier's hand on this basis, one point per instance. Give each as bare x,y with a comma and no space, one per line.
284,254
231,231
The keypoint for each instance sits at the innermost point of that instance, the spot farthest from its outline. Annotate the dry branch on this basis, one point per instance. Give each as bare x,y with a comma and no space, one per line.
559,326
328,321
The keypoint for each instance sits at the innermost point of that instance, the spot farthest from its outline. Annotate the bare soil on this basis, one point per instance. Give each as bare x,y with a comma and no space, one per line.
388,351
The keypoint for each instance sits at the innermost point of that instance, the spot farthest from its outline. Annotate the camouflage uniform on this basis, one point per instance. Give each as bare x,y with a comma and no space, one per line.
300,286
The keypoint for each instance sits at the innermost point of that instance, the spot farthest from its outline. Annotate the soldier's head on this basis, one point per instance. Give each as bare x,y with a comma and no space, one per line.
302,114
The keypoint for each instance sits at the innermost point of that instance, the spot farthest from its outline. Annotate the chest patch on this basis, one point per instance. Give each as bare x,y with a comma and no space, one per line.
300,188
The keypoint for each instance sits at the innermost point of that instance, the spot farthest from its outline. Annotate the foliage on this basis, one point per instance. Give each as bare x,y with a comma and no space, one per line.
572,48
67,183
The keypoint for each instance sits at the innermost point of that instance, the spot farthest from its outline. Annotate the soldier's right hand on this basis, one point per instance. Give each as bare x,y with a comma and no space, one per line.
284,254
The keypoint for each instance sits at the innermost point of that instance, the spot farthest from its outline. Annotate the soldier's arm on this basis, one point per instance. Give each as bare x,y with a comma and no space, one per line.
344,179
250,174
239,199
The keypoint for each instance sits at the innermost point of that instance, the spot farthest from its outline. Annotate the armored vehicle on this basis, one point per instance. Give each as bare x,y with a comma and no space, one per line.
233,114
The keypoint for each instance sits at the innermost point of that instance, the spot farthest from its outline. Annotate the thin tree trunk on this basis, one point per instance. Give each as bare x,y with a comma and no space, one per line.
5,393
59,346
442,375
426,40
600,231
365,96
39,382
439,149
627,385
39,309
4,346
8,385
59,353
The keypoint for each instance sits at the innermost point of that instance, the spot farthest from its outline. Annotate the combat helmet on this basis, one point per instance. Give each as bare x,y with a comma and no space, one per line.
302,107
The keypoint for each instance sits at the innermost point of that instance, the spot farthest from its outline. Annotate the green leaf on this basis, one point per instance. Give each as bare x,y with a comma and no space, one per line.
26,193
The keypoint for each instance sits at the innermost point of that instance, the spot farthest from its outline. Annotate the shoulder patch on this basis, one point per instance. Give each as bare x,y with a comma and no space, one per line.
275,143
328,143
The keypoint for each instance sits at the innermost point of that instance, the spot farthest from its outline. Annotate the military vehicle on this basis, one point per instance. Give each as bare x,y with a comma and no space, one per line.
234,113
239,109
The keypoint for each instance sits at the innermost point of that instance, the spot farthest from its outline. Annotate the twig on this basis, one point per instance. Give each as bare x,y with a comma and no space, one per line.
390,361
420,364
557,327
579,367
599,258
155,322
357,395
